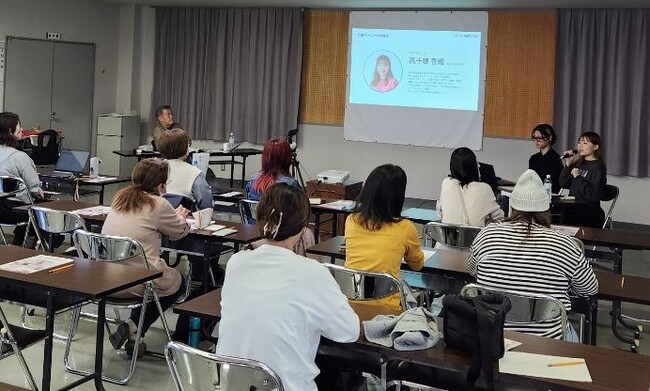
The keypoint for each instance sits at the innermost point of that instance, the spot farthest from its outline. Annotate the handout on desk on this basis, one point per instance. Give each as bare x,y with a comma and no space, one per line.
537,365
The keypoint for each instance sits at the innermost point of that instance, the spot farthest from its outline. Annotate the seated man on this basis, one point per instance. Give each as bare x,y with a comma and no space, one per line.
165,119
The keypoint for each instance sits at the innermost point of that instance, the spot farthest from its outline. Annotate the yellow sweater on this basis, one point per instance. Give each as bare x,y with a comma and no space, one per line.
382,250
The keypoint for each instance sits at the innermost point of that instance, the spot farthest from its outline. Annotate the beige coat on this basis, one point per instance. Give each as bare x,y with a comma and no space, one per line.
147,227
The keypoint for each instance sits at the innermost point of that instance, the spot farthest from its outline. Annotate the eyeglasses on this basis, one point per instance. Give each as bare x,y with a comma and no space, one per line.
538,138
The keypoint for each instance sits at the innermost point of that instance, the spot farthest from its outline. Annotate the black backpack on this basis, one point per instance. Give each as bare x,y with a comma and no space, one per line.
48,153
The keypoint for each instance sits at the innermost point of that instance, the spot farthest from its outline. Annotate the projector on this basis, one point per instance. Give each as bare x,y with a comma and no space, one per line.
333,176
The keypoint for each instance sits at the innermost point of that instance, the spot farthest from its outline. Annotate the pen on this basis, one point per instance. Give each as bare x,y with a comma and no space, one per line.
622,281
61,268
583,231
565,364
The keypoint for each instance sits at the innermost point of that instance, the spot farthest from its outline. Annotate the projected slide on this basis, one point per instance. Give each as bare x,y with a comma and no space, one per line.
414,68
416,78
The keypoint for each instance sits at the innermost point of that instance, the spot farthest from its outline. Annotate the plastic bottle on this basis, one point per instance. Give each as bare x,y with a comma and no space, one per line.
548,185
195,332
231,141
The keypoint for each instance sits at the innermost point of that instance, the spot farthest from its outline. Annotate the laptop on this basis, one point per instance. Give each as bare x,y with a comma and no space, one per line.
486,174
71,164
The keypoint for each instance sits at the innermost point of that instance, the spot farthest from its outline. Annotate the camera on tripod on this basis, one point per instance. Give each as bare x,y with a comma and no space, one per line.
290,135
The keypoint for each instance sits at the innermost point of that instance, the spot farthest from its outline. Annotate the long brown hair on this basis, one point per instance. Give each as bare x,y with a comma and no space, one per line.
541,218
147,175
593,138
282,212
8,124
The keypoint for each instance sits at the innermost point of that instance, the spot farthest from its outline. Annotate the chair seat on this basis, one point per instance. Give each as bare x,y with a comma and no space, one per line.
24,337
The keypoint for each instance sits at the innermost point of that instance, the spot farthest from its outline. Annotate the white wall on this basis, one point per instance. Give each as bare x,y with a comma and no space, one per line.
77,21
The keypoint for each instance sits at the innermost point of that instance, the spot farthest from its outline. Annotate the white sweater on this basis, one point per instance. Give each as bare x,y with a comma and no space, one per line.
479,203
181,177
275,305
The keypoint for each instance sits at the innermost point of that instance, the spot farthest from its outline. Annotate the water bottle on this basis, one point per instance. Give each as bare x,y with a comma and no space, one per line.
195,332
231,141
94,167
548,185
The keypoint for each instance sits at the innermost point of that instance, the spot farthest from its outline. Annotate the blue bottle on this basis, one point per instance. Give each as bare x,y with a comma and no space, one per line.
195,332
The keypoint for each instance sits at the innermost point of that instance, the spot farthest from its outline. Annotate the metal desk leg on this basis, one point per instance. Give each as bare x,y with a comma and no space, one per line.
232,170
99,343
243,170
316,226
335,223
101,194
49,335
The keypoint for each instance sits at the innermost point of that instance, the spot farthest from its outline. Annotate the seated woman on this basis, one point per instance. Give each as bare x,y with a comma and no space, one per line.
141,213
463,198
524,254
276,160
586,178
184,178
376,236
293,299
547,161
17,164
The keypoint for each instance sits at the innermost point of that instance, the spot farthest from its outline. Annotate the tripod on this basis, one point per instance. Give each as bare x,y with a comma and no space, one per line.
295,168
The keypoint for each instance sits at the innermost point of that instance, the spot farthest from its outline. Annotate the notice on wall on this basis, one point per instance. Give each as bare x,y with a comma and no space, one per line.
2,61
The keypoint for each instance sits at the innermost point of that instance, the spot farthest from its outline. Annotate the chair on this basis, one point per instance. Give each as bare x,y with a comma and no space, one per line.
12,187
13,339
248,211
610,194
53,222
194,369
177,200
107,248
528,308
452,235
47,148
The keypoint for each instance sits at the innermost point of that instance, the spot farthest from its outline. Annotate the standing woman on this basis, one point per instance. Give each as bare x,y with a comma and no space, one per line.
586,177
16,164
276,160
547,161
141,213
376,236
383,79
463,198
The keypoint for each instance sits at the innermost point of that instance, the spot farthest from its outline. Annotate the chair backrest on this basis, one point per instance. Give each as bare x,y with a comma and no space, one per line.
47,147
248,211
527,308
14,186
178,199
452,235
194,369
109,248
609,195
366,285
53,222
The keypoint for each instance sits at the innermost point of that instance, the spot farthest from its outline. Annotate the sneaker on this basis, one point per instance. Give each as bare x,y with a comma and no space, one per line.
130,346
120,336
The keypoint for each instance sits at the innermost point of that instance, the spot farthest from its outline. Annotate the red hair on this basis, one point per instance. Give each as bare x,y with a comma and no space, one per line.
276,159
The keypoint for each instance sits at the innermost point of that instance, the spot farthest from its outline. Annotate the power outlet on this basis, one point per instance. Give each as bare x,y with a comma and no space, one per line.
54,36
223,167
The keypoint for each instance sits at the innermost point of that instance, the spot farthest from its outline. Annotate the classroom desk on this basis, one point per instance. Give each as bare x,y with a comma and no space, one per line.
67,185
198,242
242,153
87,280
610,369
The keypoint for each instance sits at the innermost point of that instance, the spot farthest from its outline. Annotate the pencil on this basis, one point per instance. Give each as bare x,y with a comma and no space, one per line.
583,231
62,268
622,281
565,364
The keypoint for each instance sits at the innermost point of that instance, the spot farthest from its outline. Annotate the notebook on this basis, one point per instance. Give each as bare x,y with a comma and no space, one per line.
71,164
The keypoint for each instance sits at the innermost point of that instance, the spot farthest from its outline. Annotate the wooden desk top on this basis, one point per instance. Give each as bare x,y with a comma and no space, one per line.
632,240
610,369
89,278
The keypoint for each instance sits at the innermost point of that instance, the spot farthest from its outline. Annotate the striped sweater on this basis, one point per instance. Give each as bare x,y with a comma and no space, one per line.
544,261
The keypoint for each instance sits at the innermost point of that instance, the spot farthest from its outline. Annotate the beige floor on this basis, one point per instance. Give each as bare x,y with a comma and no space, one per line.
153,373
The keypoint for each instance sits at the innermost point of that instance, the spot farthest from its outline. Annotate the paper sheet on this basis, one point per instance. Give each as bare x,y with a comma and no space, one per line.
93,210
231,194
99,179
223,203
565,229
537,365
340,205
34,264
428,253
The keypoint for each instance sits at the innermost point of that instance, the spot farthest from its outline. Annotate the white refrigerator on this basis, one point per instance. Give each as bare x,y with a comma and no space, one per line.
117,132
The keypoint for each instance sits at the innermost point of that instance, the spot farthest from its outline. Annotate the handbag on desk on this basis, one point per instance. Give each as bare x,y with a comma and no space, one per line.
475,326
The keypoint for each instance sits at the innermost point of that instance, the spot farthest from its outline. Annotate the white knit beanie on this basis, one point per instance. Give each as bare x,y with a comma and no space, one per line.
529,194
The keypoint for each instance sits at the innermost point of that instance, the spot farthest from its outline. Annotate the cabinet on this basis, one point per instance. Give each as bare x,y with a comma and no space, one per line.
117,132
348,190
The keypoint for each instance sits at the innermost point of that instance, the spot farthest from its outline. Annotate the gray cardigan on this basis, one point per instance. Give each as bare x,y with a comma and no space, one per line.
18,164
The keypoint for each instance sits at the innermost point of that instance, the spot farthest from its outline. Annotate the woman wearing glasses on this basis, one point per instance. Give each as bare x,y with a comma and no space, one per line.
547,161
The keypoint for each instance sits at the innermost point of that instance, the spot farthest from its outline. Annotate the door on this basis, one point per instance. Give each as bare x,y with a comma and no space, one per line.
28,81
50,84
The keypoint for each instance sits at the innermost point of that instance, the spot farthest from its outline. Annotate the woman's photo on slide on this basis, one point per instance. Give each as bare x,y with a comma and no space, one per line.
383,78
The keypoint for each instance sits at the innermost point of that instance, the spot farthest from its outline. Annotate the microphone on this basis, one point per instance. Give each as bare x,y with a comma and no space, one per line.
566,155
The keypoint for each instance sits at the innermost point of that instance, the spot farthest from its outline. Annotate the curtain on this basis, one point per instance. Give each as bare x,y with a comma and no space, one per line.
229,70
602,84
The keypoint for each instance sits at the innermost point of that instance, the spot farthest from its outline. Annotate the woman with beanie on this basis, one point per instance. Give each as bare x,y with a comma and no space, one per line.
524,254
